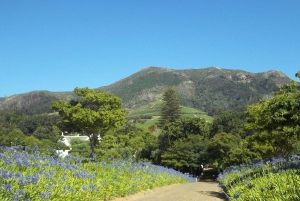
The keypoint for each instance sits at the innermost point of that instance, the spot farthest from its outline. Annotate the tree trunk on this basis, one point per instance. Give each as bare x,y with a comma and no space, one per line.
92,139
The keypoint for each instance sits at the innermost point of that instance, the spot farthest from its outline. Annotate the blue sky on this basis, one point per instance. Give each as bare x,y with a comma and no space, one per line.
59,45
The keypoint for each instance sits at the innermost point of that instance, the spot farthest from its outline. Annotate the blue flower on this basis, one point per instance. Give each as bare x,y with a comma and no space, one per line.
48,187
236,196
84,188
45,195
15,197
7,187
20,192
33,178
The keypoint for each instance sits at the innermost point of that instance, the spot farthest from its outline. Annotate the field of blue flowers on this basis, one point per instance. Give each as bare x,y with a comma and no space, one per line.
26,175
269,180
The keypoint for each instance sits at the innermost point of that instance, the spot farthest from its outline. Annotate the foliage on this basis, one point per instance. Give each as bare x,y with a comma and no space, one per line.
27,175
183,143
181,128
33,130
261,150
228,122
10,119
79,147
219,147
41,126
13,138
186,152
170,109
128,142
95,113
271,179
17,137
276,121
107,149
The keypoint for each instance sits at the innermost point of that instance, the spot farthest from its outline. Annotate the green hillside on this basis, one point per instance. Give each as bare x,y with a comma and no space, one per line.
149,114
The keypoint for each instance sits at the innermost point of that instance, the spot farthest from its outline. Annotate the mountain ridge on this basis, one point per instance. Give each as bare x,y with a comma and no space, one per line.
210,89
216,84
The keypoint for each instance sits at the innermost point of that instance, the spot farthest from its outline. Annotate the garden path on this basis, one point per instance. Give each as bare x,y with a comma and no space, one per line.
197,191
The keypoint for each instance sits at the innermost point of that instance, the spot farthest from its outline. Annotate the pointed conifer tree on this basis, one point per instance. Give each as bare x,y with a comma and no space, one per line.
171,109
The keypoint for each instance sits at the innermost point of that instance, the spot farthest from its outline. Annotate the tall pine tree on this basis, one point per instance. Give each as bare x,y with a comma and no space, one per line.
171,109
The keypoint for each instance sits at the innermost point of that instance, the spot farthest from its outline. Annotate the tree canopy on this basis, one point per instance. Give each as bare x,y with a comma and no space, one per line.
94,113
228,122
276,121
128,142
183,143
225,149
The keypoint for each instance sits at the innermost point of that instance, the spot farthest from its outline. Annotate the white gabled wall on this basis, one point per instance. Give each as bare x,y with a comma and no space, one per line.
66,140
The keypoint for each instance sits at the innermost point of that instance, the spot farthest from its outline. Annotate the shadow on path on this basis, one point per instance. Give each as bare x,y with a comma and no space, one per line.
219,195
197,191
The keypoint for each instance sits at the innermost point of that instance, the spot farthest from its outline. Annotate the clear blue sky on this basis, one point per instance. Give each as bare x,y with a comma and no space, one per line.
58,45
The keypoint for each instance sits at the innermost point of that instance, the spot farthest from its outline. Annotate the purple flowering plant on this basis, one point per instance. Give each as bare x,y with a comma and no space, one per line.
271,179
27,175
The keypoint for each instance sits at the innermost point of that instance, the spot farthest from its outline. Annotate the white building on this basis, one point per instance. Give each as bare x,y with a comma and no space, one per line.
67,139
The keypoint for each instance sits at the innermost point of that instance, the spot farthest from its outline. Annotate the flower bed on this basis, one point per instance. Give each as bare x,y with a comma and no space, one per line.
273,179
26,175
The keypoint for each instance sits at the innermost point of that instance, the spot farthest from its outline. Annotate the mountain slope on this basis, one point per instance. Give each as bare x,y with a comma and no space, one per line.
35,102
209,89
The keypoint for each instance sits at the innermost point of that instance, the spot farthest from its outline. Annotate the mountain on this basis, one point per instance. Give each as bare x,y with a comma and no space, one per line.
209,89
35,102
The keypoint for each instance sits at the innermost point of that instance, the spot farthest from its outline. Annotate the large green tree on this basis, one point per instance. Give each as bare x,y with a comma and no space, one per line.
187,153
183,143
227,149
94,113
228,122
170,109
129,142
180,129
276,121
